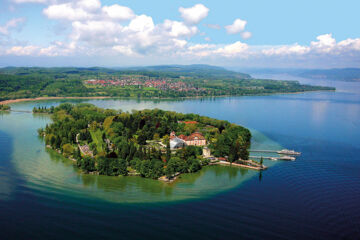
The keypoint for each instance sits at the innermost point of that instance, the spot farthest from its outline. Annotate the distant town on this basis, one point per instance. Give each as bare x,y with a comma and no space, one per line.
144,81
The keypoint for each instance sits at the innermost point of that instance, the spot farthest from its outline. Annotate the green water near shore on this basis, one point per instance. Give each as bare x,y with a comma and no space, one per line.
49,172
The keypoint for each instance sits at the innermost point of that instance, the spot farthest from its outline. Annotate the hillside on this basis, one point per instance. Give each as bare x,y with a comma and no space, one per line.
143,82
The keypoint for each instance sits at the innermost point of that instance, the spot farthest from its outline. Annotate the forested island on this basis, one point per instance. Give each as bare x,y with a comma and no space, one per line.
153,144
143,82
5,108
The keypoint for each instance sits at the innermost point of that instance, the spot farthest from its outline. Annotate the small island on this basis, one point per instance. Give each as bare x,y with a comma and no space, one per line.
153,144
4,107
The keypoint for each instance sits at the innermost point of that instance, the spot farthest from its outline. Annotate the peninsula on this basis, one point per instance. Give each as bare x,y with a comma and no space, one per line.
149,143
20,84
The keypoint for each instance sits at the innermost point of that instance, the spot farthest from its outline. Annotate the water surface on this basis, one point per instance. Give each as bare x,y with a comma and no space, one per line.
316,197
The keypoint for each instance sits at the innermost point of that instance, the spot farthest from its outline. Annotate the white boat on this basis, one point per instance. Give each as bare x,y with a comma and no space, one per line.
288,152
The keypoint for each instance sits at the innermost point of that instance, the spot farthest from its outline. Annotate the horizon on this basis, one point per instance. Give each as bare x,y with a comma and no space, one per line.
228,68
110,33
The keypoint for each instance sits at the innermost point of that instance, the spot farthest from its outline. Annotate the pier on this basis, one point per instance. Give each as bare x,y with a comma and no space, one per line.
286,158
283,151
246,164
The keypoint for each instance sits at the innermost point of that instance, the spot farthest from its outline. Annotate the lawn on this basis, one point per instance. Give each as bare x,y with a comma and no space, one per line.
97,138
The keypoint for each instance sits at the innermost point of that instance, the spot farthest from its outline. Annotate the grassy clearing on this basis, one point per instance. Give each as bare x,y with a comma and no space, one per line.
97,138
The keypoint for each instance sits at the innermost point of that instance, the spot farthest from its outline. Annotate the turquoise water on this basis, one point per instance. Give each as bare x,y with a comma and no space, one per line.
316,197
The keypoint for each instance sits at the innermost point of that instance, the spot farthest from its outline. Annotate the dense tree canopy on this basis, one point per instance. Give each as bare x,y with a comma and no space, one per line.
117,142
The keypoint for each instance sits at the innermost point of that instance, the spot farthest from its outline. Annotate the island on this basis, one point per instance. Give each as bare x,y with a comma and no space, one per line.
4,107
21,83
153,144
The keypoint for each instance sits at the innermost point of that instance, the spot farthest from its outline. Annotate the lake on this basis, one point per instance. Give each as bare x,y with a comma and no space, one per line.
42,196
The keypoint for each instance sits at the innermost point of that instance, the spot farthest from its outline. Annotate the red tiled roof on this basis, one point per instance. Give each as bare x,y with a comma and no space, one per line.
189,122
194,135
182,136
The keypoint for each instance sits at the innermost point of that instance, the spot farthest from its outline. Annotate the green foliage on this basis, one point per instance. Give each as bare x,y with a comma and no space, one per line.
112,166
203,81
233,142
4,107
118,141
67,149
86,164
43,109
150,168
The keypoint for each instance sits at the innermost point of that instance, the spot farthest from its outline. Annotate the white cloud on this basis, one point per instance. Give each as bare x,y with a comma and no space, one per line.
22,50
350,44
197,47
67,11
30,1
11,24
295,49
325,43
125,50
89,5
96,33
115,30
195,14
118,12
237,26
141,23
246,35
233,50
179,29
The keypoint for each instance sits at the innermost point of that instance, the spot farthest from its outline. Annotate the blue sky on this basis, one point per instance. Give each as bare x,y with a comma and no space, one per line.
302,34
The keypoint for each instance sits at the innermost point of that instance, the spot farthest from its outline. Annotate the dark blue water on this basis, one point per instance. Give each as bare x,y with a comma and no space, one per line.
315,197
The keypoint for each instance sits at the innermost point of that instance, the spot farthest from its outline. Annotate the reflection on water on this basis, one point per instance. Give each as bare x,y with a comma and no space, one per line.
6,173
319,112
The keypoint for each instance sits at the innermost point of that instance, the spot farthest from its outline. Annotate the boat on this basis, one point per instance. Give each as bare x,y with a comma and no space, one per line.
288,158
288,152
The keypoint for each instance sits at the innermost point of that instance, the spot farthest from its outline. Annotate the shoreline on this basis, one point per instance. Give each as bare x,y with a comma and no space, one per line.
10,101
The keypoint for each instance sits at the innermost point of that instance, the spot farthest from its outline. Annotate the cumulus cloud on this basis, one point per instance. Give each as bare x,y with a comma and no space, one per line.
233,50
179,29
115,30
72,11
325,45
118,12
195,14
11,24
237,26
